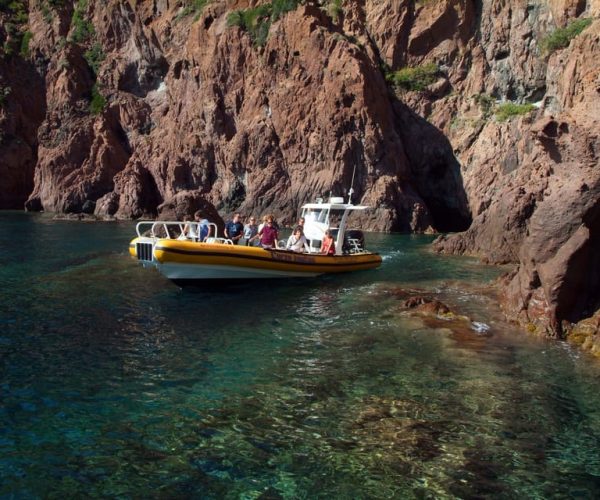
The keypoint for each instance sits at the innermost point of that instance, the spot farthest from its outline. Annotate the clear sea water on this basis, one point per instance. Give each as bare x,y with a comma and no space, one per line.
116,383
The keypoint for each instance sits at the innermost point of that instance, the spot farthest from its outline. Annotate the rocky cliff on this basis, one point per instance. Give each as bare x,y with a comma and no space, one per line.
139,101
442,111
533,181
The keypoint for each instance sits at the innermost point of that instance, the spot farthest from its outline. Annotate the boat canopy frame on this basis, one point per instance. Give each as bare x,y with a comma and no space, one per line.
316,225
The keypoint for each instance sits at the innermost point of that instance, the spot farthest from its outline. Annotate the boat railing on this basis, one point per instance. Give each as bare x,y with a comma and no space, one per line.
172,230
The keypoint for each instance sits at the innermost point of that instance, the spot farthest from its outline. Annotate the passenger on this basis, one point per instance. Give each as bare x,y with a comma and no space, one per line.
198,230
328,244
250,231
268,234
297,241
263,223
234,229
186,229
191,231
275,224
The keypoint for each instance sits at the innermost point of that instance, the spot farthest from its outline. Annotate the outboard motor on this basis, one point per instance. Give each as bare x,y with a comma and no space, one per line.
354,241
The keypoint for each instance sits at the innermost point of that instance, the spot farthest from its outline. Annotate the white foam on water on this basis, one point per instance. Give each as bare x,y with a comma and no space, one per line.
392,255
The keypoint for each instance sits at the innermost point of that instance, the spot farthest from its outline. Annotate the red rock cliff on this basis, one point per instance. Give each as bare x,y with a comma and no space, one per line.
533,181
190,103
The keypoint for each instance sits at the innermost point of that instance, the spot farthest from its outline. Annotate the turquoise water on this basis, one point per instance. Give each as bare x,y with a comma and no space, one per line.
116,383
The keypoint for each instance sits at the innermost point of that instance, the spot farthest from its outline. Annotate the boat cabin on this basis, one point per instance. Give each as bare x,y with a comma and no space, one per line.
319,216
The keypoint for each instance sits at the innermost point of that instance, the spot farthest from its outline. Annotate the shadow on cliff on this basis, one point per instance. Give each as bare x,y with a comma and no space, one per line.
23,111
435,170
579,294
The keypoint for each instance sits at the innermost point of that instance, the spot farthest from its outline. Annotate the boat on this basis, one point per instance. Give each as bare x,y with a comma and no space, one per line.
164,245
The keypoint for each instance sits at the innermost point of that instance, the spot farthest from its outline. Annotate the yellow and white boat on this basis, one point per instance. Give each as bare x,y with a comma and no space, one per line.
160,244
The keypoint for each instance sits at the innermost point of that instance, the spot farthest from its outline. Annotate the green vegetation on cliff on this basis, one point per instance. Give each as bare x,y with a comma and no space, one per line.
14,26
257,21
94,57
82,28
508,110
413,78
98,102
27,36
334,9
16,9
486,104
561,37
193,7
83,33
489,108
47,7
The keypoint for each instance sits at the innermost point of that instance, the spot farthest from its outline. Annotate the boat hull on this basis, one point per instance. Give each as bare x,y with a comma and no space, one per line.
185,261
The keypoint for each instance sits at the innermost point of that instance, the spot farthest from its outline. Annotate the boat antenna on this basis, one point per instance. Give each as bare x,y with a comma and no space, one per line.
351,190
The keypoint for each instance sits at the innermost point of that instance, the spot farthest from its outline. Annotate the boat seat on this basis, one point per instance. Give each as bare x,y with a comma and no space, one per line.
222,241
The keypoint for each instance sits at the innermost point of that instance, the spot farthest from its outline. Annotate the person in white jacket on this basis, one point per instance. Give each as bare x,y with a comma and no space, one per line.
297,241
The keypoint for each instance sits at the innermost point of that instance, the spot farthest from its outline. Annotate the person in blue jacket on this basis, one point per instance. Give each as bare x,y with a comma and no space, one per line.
234,229
198,230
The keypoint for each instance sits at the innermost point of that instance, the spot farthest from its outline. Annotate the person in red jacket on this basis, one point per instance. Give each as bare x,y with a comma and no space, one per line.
328,244
268,234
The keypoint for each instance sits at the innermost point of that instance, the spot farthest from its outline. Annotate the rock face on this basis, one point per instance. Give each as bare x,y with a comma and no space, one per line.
22,111
193,104
538,204
132,109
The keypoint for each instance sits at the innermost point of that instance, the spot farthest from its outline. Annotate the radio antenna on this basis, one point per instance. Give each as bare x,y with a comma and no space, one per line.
351,190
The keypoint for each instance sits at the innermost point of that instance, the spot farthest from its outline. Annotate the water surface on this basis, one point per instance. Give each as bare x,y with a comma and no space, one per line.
114,382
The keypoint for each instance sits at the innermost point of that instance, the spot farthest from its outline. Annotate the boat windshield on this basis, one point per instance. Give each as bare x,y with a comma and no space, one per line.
316,215
318,220
329,217
335,218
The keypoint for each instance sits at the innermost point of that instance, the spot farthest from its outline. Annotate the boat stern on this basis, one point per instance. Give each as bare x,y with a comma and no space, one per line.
142,249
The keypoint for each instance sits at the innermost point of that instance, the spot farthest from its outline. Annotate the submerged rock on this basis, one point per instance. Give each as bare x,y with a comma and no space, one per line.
586,334
396,424
427,305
